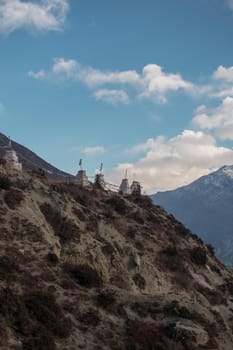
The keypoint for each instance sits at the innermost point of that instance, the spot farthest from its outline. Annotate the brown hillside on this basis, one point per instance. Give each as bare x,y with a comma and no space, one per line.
87,269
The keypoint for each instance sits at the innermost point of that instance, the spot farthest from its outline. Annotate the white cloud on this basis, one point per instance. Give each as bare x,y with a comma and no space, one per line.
63,66
112,96
37,75
44,15
152,83
156,83
219,120
170,163
91,151
223,73
222,82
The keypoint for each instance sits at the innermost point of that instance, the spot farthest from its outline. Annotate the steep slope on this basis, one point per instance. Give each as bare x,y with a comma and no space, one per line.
206,207
32,161
87,269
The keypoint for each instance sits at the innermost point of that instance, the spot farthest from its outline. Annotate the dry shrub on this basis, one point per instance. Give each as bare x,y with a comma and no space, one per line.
84,275
79,213
173,260
8,268
108,249
198,256
118,204
181,230
43,307
210,249
52,258
13,198
40,339
174,309
2,161
90,318
5,182
63,227
13,309
3,333
149,336
144,202
139,280
106,298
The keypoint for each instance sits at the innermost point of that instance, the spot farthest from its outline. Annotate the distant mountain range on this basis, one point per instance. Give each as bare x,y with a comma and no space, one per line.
206,207
32,161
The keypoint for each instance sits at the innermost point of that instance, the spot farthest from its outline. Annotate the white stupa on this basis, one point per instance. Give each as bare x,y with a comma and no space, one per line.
135,188
99,179
124,186
11,158
81,178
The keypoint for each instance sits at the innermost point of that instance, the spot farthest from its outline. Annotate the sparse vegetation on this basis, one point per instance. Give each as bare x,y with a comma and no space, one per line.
118,204
53,295
13,198
84,275
144,335
198,256
63,227
139,281
5,182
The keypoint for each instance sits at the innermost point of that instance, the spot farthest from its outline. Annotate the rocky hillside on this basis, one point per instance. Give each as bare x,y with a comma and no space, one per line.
206,207
32,161
87,269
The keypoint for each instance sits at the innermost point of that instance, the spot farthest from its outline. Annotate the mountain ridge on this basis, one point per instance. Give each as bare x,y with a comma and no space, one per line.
205,206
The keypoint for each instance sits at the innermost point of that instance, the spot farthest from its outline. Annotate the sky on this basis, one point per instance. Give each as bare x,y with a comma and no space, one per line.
143,86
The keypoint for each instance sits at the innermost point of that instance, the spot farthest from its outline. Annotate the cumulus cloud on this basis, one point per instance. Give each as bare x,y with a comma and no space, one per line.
170,163
44,15
152,83
219,120
37,75
224,73
91,151
112,96
156,83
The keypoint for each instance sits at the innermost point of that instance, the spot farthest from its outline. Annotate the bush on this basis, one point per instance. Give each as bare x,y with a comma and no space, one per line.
52,258
210,249
118,204
173,260
106,299
43,307
84,275
13,198
63,227
144,202
90,318
198,256
41,340
149,336
8,268
5,182
13,309
139,281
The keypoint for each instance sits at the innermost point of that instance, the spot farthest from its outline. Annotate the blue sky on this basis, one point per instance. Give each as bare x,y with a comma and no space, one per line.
140,85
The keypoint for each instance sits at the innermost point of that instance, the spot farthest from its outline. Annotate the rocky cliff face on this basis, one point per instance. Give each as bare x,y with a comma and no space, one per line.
87,269
206,207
